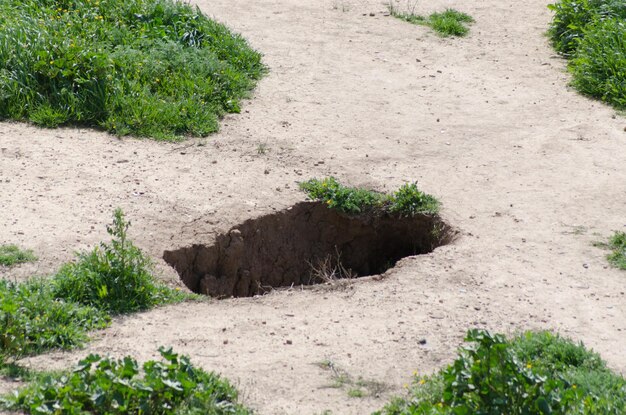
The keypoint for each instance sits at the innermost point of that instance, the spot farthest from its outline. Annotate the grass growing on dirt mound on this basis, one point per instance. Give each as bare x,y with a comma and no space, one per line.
536,373
106,386
592,34
153,68
408,200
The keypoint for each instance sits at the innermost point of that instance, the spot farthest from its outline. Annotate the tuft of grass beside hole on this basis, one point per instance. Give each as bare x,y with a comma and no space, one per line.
11,255
617,244
408,200
116,277
535,373
150,68
448,23
106,386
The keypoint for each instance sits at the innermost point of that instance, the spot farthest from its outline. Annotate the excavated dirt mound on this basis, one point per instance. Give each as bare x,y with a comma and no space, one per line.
305,244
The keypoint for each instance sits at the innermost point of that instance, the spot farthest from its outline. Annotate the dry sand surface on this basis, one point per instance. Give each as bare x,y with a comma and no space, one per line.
529,172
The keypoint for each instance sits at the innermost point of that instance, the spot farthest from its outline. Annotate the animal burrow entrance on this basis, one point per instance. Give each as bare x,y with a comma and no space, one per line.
305,244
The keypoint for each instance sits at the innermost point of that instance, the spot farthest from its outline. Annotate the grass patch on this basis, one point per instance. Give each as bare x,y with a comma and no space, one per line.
33,320
115,278
57,313
12,254
535,373
408,200
448,23
153,68
592,34
106,386
617,244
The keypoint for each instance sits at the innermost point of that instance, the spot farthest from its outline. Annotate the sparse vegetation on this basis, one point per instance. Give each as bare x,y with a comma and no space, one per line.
450,22
154,68
617,245
106,386
536,373
592,34
355,388
12,254
408,200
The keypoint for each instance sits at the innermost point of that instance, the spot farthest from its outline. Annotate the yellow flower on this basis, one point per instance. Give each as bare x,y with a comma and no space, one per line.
51,62
574,386
406,386
422,381
328,202
529,366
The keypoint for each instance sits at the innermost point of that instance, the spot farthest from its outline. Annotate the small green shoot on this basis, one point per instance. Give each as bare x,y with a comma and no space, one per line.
11,255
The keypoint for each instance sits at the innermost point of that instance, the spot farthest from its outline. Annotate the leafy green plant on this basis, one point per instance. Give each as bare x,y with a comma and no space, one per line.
33,320
114,277
592,33
571,18
408,200
12,254
599,62
536,373
617,245
351,200
450,22
106,386
154,68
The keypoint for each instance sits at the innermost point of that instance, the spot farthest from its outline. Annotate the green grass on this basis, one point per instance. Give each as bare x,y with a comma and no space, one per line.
12,254
617,245
106,386
55,313
447,23
572,19
115,277
408,200
535,373
153,68
592,34
33,320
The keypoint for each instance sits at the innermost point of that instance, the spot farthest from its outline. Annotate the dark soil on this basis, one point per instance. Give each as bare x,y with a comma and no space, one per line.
305,244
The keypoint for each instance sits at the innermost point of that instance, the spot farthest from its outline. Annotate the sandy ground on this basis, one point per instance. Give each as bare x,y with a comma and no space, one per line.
529,172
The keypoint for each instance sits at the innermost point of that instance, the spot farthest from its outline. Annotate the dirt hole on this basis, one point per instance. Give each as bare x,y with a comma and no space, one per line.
302,245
